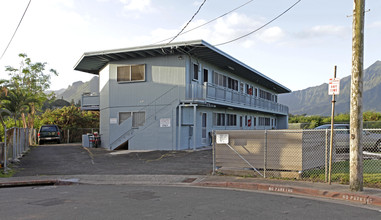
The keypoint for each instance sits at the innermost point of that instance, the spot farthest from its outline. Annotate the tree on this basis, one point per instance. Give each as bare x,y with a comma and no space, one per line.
30,83
71,117
3,110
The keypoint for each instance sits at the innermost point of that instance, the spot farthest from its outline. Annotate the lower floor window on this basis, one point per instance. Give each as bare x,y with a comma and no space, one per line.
218,119
138,118
231,120
264,121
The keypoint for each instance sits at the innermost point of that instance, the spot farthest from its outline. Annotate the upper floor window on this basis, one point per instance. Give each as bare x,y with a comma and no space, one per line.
219,79
131,73
195,71
265,95
232,84
205,75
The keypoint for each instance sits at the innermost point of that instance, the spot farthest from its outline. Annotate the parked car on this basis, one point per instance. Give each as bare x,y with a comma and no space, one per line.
371,140
49,133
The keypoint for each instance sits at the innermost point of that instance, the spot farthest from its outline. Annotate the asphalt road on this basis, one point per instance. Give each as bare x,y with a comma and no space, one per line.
164,202
72,159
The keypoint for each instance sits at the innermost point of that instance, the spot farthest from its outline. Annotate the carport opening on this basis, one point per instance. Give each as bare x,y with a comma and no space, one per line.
123,146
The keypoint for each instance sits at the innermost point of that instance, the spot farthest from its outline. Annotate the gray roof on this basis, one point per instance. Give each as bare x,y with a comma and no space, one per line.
93,62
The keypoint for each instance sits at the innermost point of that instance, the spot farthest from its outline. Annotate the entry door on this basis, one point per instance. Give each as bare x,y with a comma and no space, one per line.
203,128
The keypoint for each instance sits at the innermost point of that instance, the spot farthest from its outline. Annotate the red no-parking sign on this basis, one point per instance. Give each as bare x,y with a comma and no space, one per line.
334,86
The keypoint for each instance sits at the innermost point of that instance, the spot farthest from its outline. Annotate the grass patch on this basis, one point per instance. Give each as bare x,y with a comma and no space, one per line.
340,173
9,173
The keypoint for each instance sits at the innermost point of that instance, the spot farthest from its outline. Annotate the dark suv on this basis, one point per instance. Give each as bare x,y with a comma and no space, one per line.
48,133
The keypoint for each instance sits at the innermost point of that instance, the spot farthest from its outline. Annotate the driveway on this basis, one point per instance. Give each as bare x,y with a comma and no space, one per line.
73,159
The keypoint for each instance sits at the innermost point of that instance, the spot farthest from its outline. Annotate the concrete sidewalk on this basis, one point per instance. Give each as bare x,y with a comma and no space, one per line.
369,196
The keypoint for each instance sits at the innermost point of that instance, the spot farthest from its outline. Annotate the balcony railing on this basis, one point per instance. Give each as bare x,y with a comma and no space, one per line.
90,101
216,94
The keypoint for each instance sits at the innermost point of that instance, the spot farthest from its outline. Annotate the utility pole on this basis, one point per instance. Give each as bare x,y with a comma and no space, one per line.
356,124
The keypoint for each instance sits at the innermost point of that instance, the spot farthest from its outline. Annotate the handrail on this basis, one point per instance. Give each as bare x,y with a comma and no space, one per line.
131,131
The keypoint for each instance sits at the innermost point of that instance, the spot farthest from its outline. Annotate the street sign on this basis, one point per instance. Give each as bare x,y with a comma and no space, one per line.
334,86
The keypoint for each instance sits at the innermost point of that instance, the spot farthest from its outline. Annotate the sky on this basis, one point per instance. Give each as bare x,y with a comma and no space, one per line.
298,50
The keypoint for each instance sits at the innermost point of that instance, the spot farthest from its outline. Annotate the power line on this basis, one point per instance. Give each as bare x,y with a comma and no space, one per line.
188,22
210,21
260,26
15,30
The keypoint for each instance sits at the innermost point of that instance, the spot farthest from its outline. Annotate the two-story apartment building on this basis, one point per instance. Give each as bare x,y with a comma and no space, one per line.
171,96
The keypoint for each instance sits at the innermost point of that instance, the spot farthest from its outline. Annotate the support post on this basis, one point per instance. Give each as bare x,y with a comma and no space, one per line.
265,156
194,126
179,130
356,124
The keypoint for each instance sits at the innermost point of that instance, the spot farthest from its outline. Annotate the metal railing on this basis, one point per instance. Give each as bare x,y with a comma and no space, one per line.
213,93
153,110
300,154
90,101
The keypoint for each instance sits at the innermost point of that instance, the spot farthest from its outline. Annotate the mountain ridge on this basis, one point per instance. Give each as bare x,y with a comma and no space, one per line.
316,101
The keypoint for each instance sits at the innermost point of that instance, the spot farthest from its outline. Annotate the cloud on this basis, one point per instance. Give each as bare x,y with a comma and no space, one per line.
376,24
325,31
272,34
137,5
225,29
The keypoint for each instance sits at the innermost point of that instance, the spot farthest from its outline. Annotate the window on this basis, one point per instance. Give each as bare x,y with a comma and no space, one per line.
124,116
249,89
130,73
264,121
241,87
232,84
195,71
205,75
218,119
265,95
219,79
138,118
231,120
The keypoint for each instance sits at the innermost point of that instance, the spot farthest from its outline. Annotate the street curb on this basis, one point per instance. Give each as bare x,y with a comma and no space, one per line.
37,183
351,197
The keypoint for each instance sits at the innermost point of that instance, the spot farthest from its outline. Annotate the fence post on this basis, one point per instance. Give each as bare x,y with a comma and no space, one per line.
214,152
265,156
5,149
68,135
326,155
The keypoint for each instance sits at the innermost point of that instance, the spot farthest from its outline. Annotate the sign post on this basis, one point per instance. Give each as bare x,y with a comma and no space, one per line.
333,89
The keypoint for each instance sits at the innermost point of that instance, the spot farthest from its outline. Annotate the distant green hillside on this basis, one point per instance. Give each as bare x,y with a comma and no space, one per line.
316,101
75,91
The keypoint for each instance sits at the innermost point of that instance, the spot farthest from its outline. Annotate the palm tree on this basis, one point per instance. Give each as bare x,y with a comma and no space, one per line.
17,101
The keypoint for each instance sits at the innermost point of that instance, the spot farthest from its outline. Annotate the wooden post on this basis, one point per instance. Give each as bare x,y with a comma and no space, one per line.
356,124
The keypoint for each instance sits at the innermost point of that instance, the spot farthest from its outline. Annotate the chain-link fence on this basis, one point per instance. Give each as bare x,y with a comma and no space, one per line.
299,154
74,135
311,125
16,143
